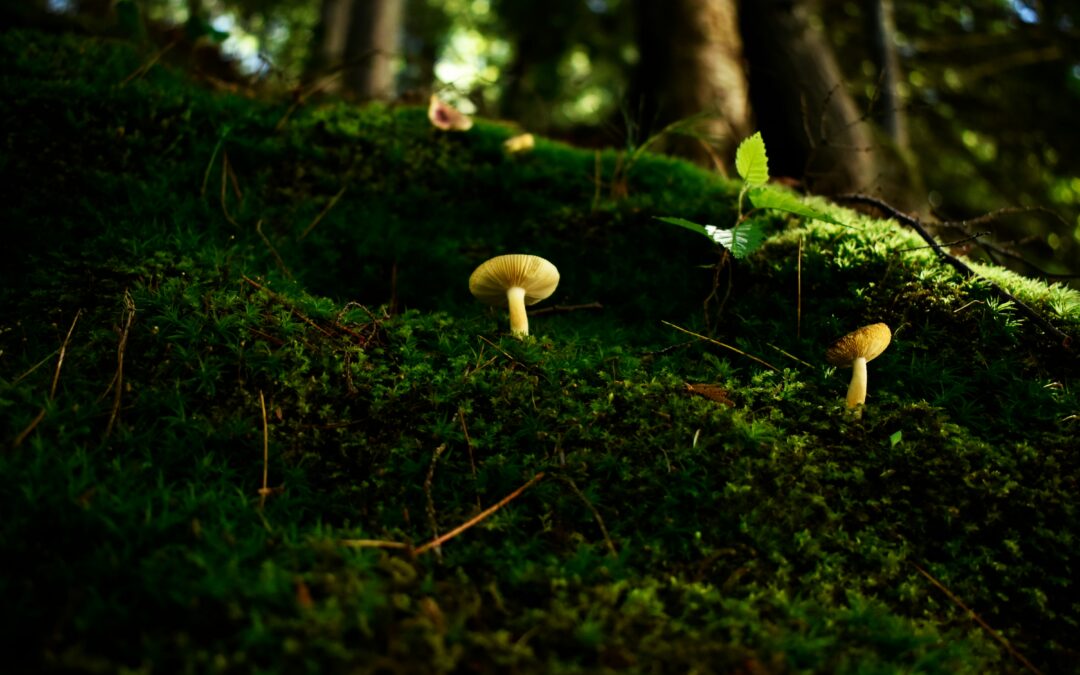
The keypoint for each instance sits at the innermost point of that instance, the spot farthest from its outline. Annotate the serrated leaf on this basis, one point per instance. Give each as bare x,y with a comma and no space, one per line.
751,161
742,240
682,222
781,200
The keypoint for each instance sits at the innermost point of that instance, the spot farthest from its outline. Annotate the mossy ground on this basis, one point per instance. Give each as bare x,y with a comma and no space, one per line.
762,529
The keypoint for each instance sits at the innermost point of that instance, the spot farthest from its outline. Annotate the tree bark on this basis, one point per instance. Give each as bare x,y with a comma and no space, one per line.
883,29
809,121
360,37
690,63
372,47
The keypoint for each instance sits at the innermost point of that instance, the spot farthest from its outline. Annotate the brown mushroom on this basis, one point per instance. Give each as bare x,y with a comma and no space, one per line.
514,281
856,349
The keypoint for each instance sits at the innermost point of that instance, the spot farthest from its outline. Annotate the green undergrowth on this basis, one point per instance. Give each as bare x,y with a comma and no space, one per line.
699,510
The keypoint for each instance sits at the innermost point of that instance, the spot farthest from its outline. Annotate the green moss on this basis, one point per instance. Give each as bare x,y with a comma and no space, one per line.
762,529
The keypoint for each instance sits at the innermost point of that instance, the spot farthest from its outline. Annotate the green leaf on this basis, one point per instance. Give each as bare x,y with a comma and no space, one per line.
741,240
895,438
681,222
782,200
751,161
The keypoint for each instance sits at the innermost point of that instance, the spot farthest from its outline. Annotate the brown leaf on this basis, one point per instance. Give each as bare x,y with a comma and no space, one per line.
713,392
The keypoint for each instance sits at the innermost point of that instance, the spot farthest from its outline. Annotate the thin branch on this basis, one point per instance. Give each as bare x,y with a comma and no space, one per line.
265,489
721,344
372,543
472,460
979,620
326,209
325,81
277,257
790,356
225,170
596,514
957,264
213,157
798,292
29,428
480,516
565,308
52,389
118,379
948,244
145,68
432,520
63,351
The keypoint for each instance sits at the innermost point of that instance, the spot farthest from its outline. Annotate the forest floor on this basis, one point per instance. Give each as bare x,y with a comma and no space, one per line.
244,386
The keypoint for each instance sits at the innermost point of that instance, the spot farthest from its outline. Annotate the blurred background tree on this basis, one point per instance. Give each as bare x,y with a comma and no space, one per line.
948,108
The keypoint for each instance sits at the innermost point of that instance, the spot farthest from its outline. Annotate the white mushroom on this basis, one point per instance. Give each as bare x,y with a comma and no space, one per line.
514,281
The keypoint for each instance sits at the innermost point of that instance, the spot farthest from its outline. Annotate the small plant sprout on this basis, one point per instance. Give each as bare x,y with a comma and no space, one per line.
514,280
746,236
446,117
855,350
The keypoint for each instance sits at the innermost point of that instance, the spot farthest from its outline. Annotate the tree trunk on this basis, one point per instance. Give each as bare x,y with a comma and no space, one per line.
691,63
809,121
883,29
373,47
361,38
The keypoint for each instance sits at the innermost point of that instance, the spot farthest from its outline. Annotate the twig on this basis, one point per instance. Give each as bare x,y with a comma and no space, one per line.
721,344
224,183
372,543
63,351
432,520
497,348
280,262
265,489
479,517
957,264
34,367
596,514
798,292
29,428
565,308
52,389
790,356
326,209
472,461
118,379
979,620
210,164
325,81
145,68
949,244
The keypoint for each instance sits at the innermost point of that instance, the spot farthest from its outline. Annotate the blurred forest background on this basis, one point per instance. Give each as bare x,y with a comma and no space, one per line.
951,110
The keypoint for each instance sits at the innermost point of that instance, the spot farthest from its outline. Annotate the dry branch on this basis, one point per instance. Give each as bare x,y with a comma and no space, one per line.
479,517
957,264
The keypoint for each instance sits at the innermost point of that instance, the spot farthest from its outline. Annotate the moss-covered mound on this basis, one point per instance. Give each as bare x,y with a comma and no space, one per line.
189,276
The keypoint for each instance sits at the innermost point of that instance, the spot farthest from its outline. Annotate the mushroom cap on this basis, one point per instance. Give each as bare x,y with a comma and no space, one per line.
867,342
490,281
446,117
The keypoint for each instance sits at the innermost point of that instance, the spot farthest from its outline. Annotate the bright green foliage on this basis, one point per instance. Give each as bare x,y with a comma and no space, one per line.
747,235
769,197
757,526
751,161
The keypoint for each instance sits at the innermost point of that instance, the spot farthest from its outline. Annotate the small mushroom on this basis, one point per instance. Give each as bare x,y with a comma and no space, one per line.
446,117
514,280
855,349
519,143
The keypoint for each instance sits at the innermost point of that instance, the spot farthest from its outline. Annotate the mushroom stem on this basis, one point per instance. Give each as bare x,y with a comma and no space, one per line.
519,320
856,393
